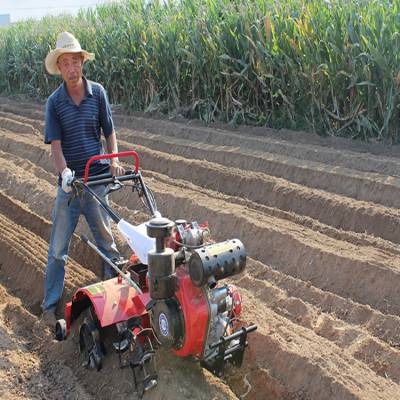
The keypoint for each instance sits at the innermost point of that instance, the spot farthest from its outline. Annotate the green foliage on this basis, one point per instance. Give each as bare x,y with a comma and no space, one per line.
327,66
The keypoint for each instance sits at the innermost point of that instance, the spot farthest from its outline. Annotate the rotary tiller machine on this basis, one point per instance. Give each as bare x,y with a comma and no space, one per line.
167,294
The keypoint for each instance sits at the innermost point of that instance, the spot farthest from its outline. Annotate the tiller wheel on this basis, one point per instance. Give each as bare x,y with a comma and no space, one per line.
135,350
89,342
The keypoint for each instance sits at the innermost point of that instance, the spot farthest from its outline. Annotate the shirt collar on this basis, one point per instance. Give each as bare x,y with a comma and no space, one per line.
88,90
88,87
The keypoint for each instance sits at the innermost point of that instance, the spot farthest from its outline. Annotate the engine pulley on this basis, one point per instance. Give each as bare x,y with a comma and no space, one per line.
168,322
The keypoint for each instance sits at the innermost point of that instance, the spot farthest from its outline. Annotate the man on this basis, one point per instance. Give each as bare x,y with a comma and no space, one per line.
76,114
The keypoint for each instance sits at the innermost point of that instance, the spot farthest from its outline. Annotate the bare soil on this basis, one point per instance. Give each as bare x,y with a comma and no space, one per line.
320,220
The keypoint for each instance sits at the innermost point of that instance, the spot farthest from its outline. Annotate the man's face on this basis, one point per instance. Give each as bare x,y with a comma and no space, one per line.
70,66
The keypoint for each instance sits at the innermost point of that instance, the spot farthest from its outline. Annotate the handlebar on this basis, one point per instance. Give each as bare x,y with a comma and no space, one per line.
107,178
108,156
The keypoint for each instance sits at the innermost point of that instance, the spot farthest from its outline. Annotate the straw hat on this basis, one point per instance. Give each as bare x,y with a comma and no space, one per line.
66,43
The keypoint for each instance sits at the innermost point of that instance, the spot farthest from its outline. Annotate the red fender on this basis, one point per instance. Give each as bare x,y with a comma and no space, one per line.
112,302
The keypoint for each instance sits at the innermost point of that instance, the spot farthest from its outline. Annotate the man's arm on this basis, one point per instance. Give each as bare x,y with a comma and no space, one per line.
115,168
107,125
58,156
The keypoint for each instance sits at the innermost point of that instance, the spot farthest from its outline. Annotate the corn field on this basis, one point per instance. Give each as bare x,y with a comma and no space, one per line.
331,67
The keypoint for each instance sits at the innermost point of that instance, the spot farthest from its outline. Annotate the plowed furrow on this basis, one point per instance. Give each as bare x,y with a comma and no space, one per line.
39,154
310,252
337,211
293,354
340,387
340,180
312,148
24,258
381,326
363,274
378,324
23,108
359,239
77,248
41,227
82,253
356,341
275,192
20,124
364,187
26,369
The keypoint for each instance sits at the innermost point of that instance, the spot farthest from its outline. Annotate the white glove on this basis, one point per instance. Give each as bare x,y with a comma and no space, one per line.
67,176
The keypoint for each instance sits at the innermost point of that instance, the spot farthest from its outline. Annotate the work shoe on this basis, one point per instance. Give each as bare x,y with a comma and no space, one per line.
48,319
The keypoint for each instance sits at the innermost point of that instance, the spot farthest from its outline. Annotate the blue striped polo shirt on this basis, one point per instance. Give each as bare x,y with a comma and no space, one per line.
79,127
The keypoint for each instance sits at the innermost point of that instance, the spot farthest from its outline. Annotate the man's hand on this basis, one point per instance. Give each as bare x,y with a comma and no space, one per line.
116,169
67,176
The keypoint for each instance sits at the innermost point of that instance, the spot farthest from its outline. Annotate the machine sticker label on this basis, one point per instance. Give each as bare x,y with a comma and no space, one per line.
163,322
97,288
